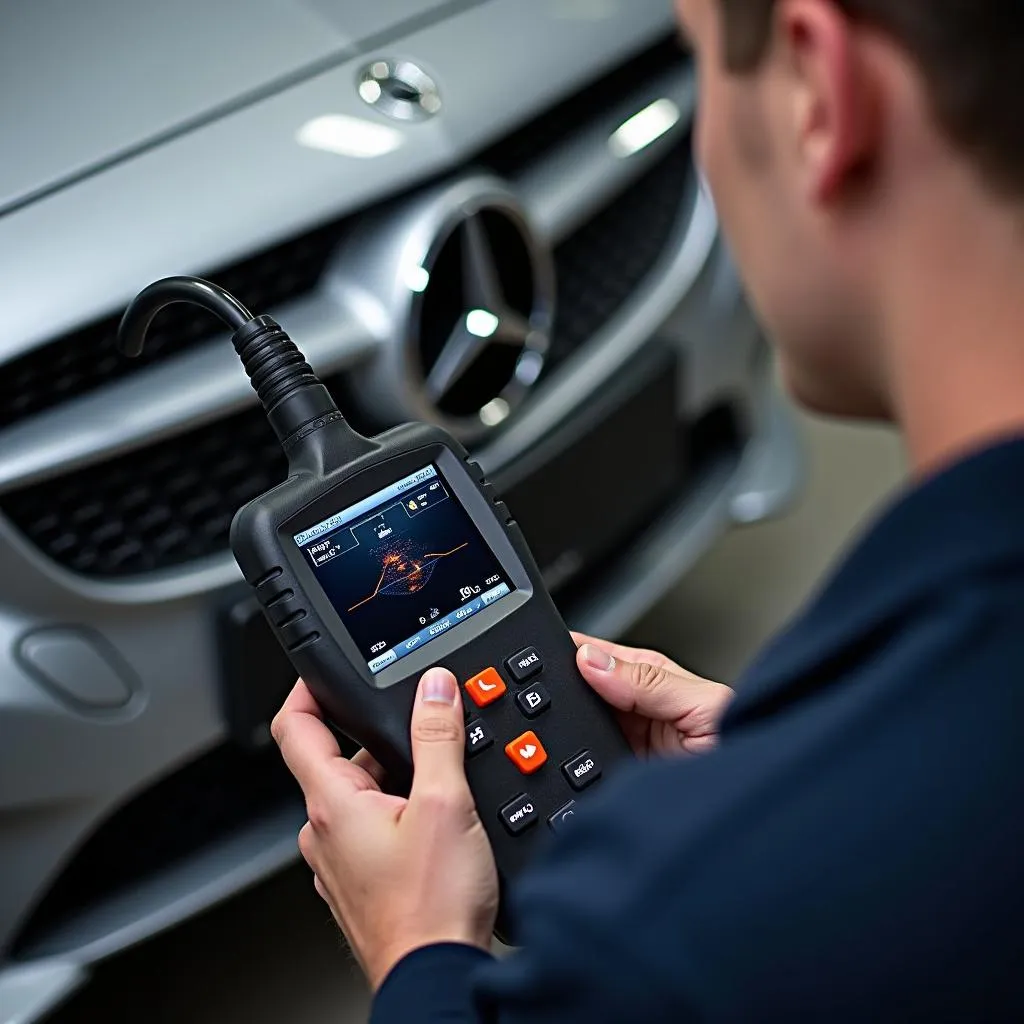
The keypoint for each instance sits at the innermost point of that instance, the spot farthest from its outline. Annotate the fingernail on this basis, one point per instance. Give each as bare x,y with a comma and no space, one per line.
438,687
597,659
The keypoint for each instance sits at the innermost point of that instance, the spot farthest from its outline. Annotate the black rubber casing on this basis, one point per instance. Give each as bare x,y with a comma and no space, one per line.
340,469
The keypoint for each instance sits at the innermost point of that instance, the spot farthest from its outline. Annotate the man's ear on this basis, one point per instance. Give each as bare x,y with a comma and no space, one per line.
834,105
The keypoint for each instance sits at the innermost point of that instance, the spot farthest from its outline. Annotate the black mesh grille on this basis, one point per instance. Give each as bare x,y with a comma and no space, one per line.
81,362
157,507
601,265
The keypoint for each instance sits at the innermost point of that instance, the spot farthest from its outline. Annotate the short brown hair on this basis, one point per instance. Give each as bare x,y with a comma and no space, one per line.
970,52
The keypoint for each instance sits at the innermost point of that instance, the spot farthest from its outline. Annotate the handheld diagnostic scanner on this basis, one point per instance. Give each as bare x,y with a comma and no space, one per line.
380,557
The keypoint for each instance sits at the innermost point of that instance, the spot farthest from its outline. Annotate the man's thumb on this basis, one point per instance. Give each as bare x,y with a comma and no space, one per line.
649,690
438,734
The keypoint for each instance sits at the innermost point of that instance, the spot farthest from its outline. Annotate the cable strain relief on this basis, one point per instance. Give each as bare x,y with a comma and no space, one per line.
276,368
303,413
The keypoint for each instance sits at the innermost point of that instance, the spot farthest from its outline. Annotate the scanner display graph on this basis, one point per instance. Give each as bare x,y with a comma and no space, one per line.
418,570
403,566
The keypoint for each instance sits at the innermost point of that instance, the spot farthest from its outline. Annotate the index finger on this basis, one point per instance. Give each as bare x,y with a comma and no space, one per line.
308,747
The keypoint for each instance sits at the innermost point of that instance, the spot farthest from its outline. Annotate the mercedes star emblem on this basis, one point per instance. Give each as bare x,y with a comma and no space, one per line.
462,293
489,318
481,327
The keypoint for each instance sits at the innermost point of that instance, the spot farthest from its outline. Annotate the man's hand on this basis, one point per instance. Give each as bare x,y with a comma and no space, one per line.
400,874
662,708
397,874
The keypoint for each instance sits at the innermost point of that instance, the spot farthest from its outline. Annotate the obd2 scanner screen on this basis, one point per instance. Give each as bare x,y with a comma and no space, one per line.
380,557
403,567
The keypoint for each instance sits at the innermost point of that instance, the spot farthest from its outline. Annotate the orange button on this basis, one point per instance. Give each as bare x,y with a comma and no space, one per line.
527,753
485,688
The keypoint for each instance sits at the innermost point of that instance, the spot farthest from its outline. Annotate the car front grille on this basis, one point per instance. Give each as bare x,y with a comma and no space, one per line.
172,503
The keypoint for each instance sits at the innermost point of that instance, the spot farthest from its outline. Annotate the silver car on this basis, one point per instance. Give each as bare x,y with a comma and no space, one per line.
483,214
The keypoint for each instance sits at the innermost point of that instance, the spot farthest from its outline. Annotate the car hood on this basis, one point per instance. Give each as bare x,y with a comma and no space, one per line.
85,84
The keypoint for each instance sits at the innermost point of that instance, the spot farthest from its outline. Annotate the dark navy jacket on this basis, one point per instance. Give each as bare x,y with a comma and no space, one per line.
854,851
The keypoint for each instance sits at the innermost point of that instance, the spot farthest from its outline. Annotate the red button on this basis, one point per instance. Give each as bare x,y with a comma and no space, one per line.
486,688
527,753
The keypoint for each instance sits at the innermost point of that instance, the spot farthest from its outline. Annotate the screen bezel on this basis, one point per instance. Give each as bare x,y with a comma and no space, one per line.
360,486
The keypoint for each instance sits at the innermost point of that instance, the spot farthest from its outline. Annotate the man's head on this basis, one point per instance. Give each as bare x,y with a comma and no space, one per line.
827,127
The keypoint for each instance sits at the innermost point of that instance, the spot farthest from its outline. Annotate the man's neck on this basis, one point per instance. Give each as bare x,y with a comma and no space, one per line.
956,328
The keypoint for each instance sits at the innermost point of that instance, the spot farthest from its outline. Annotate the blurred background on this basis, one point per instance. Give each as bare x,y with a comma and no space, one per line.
480,213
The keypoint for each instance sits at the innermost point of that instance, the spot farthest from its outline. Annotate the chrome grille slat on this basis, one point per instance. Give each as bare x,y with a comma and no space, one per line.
194,388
